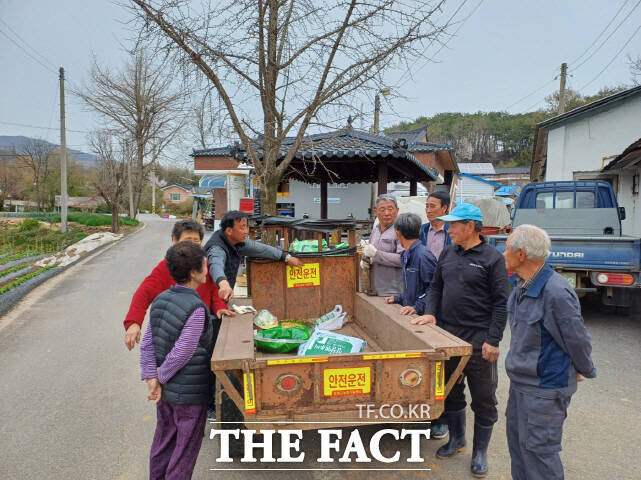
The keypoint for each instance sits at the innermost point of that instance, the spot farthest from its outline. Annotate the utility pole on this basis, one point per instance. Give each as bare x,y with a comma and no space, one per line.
377,113
130,189
564,73
374,188
63,157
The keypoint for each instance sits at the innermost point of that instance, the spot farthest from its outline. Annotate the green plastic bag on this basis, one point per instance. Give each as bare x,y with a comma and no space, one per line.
299,246
281,339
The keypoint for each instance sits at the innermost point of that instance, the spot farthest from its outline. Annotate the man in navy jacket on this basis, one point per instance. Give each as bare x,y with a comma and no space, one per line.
417,263
549,353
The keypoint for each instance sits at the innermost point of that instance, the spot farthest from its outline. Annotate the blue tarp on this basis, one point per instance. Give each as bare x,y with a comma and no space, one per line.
507,190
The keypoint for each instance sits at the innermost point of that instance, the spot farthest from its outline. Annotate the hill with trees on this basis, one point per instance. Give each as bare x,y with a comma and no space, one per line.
500,138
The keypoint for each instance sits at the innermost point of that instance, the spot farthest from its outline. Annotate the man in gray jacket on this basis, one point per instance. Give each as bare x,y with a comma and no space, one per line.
229,245
549,352
383,253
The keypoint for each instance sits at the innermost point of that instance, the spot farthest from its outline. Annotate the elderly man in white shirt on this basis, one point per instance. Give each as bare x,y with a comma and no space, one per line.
383,253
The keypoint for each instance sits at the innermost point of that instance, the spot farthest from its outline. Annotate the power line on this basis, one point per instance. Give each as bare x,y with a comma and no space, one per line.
50,67
27,44
25,51
529,109
53,105
599,35
40,127
608,37
613,58
530,94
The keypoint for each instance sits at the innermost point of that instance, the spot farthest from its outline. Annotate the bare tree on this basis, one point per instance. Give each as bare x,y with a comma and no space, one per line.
139,103
210,121
36,156
294,61
635,69
111,171
9,176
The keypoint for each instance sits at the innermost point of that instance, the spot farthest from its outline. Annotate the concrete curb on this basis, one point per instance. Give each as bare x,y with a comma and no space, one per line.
11,298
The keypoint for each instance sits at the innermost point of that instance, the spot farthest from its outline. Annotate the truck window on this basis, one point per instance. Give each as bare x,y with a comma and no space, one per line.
564,200
545,200
585,199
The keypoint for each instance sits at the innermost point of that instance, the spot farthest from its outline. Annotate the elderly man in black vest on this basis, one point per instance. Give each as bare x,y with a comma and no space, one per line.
227,247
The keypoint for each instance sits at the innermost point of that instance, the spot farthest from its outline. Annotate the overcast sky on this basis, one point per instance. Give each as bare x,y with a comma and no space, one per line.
503,51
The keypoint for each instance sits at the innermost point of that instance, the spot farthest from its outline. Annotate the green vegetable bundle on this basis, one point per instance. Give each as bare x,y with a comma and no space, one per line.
281,339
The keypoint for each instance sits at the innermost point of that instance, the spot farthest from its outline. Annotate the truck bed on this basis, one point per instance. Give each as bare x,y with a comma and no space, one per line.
581,252
379,324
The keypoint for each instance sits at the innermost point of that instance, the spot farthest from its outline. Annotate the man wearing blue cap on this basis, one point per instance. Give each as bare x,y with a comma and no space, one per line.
469,294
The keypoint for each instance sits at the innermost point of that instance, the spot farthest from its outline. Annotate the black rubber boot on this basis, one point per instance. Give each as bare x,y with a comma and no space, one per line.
456,443
479,450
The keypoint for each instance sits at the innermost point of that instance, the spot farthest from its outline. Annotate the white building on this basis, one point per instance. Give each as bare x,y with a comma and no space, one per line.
578,144
471,184
627,168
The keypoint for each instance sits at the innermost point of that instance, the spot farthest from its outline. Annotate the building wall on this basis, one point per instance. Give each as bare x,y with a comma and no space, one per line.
509,178
354,199
166,195
215,163
582,145
632,203
468,187
429,159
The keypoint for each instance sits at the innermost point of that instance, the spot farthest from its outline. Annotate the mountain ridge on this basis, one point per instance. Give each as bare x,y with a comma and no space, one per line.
11,142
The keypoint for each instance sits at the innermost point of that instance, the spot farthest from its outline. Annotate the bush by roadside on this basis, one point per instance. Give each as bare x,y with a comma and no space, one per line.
89,219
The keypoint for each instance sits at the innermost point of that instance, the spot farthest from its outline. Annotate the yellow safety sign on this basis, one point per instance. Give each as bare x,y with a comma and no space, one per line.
250,393
347,381
439,381
306,276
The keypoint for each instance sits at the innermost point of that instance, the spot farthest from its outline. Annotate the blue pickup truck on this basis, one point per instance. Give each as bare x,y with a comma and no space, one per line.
583,220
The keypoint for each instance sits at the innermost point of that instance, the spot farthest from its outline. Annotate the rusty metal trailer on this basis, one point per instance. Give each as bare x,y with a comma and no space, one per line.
403,364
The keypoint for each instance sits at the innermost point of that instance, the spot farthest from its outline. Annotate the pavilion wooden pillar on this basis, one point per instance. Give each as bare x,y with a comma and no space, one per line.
413,188
382,177
323,199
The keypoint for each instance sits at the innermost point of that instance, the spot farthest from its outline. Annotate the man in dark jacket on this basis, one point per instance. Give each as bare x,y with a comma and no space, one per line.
549,352
435,236
435,233
469,293
227,247
417,264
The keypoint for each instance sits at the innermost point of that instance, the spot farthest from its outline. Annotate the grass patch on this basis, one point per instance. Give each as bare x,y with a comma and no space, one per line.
13,269
27,239
24,278
90,219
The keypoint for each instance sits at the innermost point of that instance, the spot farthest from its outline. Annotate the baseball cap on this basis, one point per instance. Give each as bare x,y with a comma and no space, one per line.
464,211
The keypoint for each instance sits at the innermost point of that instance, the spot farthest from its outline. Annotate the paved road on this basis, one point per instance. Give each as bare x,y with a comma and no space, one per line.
72,407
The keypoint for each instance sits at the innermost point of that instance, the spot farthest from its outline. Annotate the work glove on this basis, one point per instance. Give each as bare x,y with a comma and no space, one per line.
364,265
369,251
